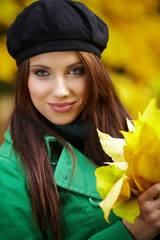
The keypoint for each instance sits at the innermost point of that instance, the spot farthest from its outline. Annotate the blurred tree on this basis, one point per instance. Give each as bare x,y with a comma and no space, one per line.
133,53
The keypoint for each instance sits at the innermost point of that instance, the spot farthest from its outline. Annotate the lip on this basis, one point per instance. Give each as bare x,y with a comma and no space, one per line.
62,107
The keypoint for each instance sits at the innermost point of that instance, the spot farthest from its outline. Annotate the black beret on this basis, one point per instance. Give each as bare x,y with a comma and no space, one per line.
56,25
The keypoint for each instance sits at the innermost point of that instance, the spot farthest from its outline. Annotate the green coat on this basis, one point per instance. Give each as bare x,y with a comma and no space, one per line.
82,218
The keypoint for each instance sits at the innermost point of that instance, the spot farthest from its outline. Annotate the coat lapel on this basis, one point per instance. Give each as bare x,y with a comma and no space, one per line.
83,180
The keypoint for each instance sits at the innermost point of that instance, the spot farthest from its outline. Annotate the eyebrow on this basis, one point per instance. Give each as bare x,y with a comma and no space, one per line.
43,66
38,65
73,64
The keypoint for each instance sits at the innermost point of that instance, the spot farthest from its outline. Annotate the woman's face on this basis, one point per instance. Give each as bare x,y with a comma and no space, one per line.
58,86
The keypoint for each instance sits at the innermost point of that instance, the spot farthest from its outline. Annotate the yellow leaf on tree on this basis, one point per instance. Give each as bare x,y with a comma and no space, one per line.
152,116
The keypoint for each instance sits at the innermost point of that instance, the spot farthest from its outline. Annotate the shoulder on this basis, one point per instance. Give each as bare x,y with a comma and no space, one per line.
15,200
12,180
6,147
10,162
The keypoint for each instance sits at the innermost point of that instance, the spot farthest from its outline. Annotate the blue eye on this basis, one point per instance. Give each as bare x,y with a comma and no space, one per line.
77,71
41,73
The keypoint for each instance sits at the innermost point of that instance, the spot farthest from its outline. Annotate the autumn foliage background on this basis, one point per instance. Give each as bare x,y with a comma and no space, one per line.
132,56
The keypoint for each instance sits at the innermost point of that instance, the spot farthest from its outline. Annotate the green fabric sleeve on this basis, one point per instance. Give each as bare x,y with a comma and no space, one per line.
116,232
16,219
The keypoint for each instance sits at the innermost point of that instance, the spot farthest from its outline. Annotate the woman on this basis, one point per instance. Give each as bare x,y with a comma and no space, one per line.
47,163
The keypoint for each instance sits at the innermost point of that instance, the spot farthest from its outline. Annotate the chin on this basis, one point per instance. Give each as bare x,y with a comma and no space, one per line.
62,122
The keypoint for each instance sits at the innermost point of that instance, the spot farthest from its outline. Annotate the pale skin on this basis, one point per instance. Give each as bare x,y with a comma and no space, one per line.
58,86
60,78
147,225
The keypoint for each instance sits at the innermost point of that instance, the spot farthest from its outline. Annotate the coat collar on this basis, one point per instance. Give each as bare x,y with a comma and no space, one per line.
83,180
7,136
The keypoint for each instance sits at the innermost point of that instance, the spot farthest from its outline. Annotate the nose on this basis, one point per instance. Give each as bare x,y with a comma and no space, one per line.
61,88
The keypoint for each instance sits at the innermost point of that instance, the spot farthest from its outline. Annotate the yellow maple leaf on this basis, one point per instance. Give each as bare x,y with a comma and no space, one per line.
118,193
135,166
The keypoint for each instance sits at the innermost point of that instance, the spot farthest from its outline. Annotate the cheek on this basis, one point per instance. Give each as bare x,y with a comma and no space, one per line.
81,88
31,87
36,90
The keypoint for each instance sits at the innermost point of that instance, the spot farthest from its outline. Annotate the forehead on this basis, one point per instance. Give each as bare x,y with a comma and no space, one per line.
55,57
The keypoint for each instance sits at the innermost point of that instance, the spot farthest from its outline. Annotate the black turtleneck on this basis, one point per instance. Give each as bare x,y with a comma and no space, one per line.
73,133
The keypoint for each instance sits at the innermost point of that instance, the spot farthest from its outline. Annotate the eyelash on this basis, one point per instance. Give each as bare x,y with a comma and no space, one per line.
81,71
41,75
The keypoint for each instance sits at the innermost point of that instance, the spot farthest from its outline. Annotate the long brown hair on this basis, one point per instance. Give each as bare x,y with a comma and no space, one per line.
104,110
28,127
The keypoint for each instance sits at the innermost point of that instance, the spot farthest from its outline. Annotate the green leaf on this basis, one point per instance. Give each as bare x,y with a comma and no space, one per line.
106,177
128,210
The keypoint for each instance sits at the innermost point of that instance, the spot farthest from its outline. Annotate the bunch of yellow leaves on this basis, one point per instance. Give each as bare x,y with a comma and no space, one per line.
135,166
